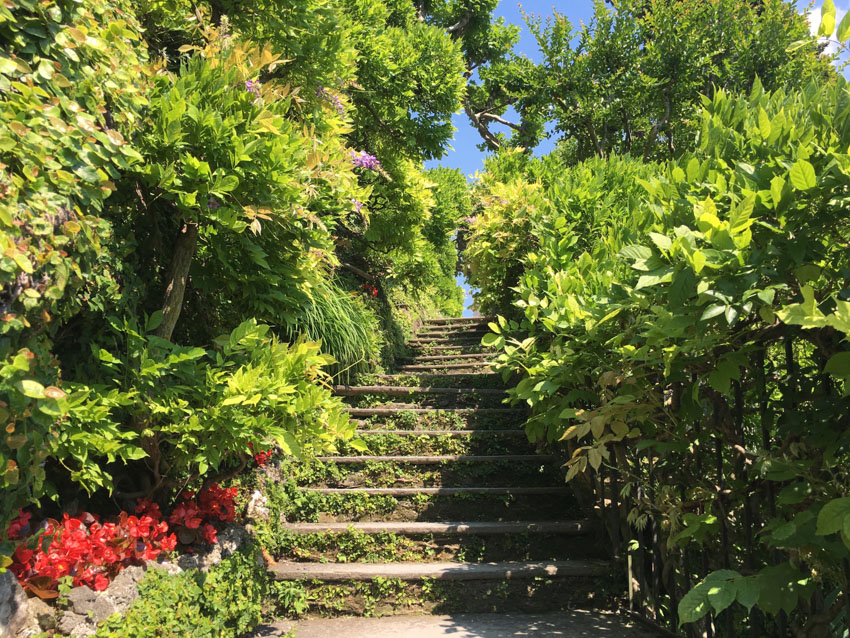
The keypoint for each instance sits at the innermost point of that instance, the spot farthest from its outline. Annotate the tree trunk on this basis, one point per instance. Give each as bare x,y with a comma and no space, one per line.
178,274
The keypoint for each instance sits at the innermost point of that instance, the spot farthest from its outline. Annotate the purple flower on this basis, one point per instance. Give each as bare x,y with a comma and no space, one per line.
358,206
252,87
323,93
469,220
213,203
365,160
503,202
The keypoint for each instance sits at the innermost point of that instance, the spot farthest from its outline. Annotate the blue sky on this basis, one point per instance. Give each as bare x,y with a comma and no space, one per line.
465,154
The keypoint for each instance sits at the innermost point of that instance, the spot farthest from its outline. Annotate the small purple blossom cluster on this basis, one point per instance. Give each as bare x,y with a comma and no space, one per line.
469,220
213,203
252,87
363,159
323,93
358,205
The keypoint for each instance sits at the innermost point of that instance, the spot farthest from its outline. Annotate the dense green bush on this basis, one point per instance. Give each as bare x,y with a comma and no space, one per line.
187,411
72,77
158,193
228,601
684,329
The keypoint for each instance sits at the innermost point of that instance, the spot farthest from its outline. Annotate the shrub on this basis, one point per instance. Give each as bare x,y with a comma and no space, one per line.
72,87
187,411
226,602
684,329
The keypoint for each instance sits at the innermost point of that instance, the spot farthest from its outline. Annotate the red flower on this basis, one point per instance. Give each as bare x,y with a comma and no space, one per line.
101,582
19,527
210,535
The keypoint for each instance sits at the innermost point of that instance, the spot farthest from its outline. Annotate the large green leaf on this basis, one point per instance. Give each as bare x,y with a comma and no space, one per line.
831,516
803,175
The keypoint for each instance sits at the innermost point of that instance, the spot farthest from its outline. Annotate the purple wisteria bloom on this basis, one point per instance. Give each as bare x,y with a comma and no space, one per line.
323,93
469,220
213,203
358,206
252,87
365,160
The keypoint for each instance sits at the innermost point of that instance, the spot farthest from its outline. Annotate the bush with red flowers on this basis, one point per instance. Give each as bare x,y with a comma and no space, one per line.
370,290
86,549
194,518
262,457
92,552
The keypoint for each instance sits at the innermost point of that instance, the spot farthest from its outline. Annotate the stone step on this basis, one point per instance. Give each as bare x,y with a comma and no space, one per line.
443,378
423,367
450,348
392,411
542,624
416,341
436,459
441,491
452,332
481,433
403,390
458,320
482,528
449,357
438,571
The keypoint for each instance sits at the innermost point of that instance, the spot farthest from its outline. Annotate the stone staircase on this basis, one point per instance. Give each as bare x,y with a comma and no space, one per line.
460,512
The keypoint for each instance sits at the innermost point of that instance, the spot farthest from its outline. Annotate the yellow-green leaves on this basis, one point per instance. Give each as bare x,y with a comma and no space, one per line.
843,33
827,20
802,175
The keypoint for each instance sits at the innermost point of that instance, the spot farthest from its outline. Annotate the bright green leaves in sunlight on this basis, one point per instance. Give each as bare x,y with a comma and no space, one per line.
684,325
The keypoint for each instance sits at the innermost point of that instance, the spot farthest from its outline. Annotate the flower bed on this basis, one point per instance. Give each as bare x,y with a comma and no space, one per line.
86,550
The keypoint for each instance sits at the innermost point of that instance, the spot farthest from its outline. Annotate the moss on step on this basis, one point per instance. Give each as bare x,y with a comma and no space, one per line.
382,597
393,444
444,420
355,546
386,474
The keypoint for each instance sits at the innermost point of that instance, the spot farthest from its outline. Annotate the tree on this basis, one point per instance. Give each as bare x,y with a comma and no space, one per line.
627,81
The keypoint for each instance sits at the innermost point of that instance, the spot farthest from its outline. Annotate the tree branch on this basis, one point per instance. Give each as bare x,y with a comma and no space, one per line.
500,120
458,28
491,140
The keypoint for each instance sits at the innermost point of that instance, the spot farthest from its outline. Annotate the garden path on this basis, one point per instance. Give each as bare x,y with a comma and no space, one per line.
471,518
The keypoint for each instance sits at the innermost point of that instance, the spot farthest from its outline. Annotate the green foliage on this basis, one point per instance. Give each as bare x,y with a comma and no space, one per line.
627,81
685,326
213,191
347,328
71,78
187,411
226,602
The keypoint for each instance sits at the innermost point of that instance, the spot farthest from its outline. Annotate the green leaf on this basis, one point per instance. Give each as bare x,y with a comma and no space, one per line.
662,241
764,123
722,594
827,21
831,516
492,340
699,260
154,321
839,365
30,388
796,45
694,605
844,28
713,311
803,175
359,445
747,591
289,444
840,319
777,184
